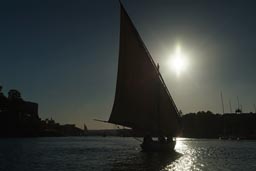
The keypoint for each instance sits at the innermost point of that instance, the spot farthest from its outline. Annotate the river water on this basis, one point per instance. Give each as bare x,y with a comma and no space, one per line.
114,153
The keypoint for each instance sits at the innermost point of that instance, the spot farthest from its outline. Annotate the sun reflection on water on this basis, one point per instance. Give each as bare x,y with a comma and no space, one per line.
188,160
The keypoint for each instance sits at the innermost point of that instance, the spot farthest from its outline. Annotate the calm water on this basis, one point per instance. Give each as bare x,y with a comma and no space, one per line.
110,153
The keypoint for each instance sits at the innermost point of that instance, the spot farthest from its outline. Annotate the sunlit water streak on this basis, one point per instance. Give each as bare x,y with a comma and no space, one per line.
112,153
214,155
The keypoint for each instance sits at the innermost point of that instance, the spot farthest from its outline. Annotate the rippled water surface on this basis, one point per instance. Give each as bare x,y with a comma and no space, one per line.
112,153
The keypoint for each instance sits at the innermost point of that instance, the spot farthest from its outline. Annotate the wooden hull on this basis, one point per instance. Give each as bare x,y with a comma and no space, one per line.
156,146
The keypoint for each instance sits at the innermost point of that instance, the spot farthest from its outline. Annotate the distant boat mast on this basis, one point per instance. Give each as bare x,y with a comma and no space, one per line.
230,107
222,102
238,104
239,107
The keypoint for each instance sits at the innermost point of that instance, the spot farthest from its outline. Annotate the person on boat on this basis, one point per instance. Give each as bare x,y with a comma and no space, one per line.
147,139
169,139
161,139
158,67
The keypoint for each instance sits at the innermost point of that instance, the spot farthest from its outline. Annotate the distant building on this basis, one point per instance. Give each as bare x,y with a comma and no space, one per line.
18,117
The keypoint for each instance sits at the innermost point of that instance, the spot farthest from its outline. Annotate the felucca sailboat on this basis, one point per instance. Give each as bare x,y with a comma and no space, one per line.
142,100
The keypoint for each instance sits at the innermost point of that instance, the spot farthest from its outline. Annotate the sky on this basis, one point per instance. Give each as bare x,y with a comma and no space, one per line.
63,54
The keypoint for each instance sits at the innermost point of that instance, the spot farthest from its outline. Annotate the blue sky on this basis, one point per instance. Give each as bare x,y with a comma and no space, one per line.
63,54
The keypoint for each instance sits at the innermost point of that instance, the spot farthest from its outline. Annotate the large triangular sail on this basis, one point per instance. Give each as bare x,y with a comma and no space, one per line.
142,100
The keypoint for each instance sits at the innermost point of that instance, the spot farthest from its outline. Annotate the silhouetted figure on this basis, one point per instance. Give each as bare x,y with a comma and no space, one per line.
161,139
147,139
158,67
169,139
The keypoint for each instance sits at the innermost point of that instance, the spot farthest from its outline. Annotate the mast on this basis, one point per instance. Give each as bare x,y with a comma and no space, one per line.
230,107
238,105
222,102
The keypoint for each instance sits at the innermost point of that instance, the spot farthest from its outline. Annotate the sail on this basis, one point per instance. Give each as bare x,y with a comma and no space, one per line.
142,100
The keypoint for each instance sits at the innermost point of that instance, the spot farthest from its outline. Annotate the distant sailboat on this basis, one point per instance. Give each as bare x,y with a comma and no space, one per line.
142,100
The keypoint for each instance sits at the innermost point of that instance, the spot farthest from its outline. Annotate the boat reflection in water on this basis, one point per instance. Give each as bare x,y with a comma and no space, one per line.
183,158
147,161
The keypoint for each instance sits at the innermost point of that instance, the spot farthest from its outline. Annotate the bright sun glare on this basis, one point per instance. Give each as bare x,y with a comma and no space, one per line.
178,61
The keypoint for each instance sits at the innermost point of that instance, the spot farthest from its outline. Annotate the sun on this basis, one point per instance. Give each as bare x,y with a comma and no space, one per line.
178,62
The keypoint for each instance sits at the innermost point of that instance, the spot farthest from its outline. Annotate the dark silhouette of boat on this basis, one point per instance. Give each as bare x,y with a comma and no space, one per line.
142,100
158,146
